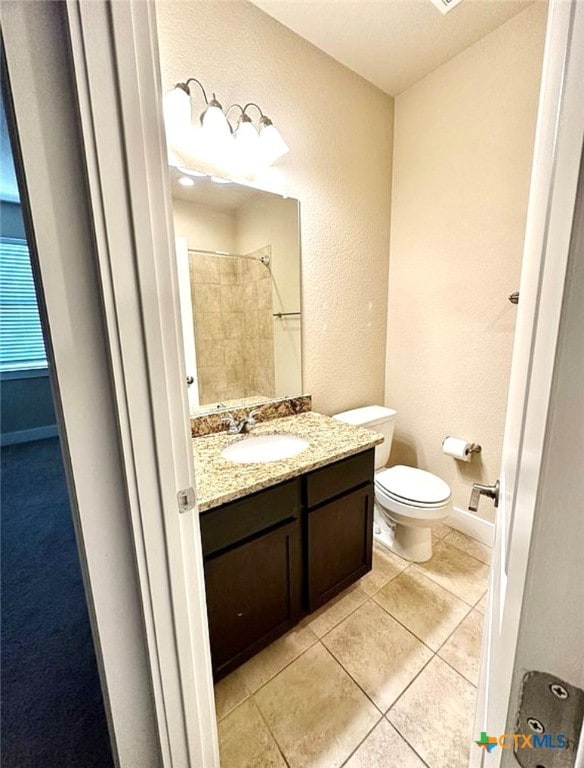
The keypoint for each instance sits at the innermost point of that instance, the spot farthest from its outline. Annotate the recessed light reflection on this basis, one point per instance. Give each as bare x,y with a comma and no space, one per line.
185,181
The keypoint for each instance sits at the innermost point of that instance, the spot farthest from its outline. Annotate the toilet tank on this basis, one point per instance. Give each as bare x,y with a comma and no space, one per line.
379,419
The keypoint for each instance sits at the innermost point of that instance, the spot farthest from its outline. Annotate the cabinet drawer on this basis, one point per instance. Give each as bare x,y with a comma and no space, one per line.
337,478
242,519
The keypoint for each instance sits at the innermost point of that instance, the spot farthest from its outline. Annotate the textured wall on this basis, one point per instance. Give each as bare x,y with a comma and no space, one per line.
339,129
462,158
204,226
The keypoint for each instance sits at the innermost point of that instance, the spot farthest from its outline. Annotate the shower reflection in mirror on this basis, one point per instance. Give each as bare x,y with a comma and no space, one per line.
238,259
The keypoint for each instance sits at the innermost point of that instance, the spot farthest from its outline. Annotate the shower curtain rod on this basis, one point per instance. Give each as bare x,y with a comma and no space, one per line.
264,259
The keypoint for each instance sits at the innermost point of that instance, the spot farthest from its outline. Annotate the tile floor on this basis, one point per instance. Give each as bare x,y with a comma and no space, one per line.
375,679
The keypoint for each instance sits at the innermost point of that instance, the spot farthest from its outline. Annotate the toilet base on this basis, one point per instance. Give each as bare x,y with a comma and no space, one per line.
413,544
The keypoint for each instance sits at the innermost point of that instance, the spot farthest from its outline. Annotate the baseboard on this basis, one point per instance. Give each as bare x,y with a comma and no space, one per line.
472,525
28,435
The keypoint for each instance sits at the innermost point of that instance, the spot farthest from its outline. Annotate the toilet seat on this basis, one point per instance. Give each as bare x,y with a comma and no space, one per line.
412,487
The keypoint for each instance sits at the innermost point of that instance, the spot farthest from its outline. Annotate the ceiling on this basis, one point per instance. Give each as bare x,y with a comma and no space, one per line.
391,43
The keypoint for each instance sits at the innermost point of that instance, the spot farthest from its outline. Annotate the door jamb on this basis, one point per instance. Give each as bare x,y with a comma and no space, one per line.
552,198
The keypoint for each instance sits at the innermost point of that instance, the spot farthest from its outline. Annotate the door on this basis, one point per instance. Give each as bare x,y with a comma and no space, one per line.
550,221
340,541
48,662
264,598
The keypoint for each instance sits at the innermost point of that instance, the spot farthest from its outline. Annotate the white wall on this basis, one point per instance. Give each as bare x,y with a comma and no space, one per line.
204,227
462,159
339,128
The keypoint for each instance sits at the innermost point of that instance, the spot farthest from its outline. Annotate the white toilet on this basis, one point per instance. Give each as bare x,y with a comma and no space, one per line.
408,501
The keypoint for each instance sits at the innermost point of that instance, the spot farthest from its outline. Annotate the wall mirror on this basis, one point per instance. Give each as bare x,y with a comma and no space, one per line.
238,259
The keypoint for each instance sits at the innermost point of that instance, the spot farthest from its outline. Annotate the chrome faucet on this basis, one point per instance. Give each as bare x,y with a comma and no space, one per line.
240,426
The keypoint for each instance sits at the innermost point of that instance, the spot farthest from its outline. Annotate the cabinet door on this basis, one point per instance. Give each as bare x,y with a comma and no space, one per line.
339,541
254,594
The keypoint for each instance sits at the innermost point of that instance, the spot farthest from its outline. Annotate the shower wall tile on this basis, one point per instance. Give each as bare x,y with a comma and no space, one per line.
205,269
250,295
207,297
266,327
232,298
234,334
208,325
233,325
264,293
211,352
228,269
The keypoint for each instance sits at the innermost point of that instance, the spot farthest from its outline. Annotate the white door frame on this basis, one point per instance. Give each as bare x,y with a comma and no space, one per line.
87,95
49,160
116,67
558,147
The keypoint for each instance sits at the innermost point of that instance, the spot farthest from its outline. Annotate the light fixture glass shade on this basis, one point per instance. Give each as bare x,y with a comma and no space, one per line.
215,123
177,112
271,145
247,143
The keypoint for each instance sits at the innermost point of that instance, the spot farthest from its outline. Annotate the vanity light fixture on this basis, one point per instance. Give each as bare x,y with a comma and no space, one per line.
250,145
219,180
186,181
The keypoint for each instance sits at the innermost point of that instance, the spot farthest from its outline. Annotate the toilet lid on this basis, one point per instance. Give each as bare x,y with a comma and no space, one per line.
413,485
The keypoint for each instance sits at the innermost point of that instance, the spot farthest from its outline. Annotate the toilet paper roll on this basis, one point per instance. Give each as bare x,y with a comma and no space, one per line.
457,448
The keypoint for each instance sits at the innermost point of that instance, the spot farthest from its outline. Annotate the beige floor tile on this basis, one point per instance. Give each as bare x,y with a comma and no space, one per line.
386,565
384,748
267,663
317,714
457,572
246,742
463,649
440,530
481,606
229,693
424,607
327,617
435,715
470,546
378,653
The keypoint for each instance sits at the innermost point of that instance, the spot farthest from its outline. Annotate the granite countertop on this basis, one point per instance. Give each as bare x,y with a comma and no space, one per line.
219,481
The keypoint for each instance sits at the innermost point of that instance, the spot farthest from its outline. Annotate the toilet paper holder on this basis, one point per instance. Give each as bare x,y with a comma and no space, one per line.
469,448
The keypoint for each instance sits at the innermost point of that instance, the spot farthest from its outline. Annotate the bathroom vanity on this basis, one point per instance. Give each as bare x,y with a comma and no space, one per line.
273,554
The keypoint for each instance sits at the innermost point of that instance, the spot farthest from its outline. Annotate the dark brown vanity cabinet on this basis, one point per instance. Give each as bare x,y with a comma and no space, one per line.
275,555
339,526
253,572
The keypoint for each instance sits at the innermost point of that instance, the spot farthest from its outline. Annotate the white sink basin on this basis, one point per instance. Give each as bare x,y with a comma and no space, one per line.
262,448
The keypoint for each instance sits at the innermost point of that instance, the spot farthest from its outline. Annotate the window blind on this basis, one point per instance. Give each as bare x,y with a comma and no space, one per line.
21,338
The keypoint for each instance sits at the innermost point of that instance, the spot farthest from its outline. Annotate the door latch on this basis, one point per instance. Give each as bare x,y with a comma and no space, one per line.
186,499
478,490
550,715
